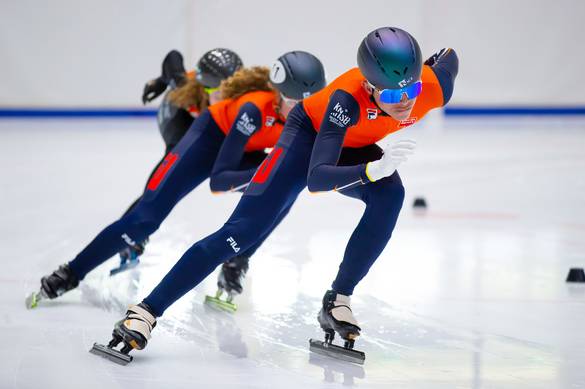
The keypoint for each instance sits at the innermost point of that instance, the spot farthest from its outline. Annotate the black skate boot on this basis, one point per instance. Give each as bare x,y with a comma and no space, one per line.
53,286
230,280
129,257
336,316
134,331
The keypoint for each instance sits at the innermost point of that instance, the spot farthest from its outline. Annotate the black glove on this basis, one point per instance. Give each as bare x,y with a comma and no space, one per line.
173,70
153,89
435,57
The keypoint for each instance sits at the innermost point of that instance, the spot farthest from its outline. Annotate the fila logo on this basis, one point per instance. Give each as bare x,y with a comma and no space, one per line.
269,121
408,122
233,244
128,240
339,116
246,124
372,113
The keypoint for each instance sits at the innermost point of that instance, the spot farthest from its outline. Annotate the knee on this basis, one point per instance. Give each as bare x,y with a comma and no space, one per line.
142,222
387,192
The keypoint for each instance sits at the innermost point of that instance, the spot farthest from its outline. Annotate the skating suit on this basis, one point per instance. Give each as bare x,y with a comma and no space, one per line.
326,143
224,144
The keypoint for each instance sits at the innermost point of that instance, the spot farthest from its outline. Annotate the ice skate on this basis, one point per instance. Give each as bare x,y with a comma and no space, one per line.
133,331
129,257
53,286
229,282
336,316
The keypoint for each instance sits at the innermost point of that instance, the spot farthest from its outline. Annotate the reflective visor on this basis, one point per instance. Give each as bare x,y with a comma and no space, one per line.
393,96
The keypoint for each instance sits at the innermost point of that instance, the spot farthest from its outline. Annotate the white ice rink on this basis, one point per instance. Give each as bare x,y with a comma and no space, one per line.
470,295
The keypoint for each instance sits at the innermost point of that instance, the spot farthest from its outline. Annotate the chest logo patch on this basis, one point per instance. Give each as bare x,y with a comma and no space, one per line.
269,121
372,113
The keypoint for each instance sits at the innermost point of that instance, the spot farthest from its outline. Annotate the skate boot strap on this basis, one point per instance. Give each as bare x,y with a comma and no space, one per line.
341,310
140,320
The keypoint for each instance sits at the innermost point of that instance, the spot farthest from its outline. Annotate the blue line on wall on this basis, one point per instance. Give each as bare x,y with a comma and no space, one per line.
126,113
74,113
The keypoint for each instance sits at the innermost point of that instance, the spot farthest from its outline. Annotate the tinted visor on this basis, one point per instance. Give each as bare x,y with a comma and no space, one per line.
393,96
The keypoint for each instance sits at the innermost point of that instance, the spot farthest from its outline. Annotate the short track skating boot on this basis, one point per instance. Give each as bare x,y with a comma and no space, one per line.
336,316
130,257
230,282
54,285
133,331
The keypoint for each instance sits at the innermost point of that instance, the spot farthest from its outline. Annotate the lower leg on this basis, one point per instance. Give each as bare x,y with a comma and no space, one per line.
383,200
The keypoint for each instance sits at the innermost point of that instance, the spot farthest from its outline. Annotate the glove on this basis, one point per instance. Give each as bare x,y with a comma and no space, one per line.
393,156
153,89
433,59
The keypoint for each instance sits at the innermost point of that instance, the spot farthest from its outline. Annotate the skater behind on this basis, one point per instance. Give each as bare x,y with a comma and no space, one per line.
190,94
328,143
225,143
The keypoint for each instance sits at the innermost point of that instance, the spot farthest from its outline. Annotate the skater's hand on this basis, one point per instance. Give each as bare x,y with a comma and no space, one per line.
153,89
394,155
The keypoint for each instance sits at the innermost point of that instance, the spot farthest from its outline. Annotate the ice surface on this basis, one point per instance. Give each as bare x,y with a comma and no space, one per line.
470,295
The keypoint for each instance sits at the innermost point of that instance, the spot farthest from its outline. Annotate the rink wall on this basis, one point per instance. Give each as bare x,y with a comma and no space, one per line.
69,56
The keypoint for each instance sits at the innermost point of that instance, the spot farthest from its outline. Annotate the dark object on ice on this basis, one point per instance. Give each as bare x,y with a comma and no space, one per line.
120,357
346,353
419,203
576,274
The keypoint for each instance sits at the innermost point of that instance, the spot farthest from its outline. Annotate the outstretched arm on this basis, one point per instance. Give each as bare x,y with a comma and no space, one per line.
445,65
173,75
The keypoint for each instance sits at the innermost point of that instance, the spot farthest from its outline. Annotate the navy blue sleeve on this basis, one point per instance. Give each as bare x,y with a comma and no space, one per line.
225,175
342,112
445,65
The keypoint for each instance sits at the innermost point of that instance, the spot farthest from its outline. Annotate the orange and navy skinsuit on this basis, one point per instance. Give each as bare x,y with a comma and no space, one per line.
326,142
224,144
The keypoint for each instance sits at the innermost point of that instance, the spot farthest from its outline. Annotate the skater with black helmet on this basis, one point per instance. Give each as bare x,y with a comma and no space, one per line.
225,143
328,144
190,94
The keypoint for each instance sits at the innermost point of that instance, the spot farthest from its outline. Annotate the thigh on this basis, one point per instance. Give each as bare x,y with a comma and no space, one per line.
188,164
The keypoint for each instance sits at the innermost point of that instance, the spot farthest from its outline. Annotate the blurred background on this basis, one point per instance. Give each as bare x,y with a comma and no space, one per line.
67,53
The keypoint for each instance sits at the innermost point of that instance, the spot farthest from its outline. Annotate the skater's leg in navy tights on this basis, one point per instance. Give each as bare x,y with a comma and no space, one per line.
383,201
184,168
275,187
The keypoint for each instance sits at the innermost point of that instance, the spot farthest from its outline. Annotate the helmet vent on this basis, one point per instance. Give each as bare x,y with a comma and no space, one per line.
405,69
393,30
309,84
379,37
397,72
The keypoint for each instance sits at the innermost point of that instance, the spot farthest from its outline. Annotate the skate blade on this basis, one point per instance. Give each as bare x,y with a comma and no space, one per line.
32,301
111,354
127,266
337,352
218,303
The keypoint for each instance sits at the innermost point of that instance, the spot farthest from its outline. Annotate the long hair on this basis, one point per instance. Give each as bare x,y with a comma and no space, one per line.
190,94
256,78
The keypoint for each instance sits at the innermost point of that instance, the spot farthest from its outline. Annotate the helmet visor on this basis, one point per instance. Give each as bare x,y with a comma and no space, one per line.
393,96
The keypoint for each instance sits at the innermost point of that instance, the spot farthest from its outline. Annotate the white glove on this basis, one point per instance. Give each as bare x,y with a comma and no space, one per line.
394,155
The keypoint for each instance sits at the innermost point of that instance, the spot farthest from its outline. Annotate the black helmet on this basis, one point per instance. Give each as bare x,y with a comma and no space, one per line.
217,65
390,58
297,74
